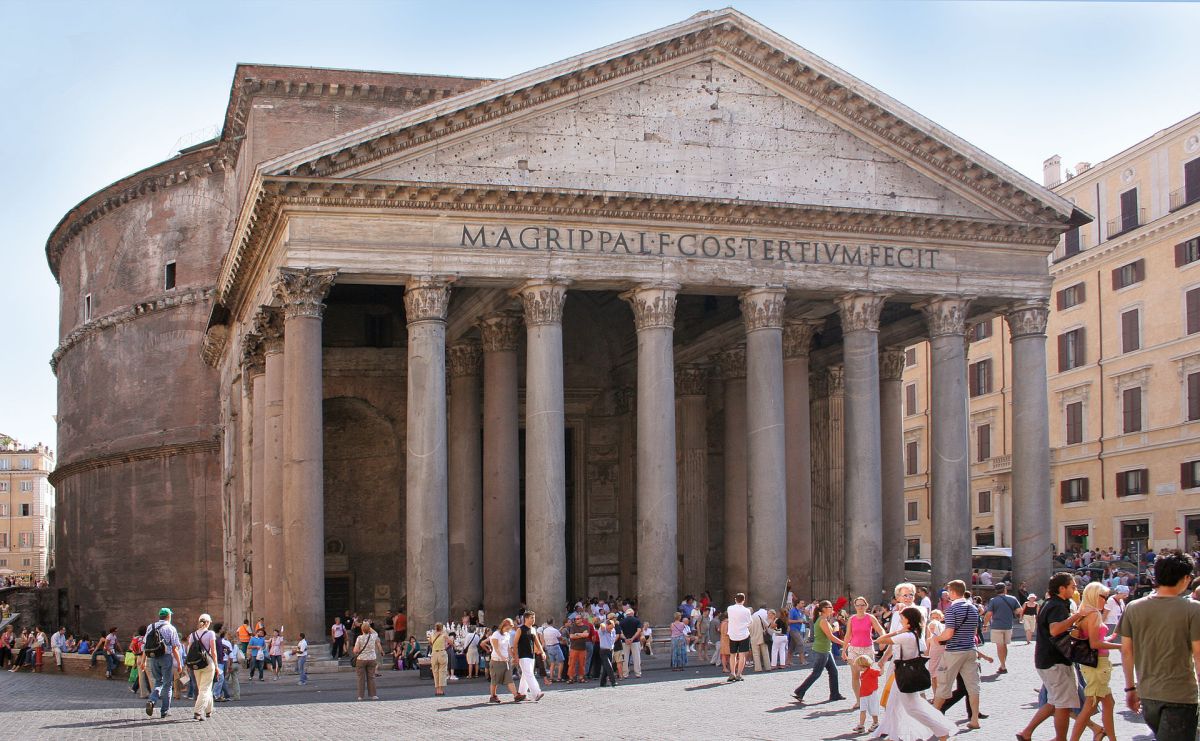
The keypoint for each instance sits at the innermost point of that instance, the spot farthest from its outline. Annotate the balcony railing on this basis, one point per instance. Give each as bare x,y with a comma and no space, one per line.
1184,197
1126,222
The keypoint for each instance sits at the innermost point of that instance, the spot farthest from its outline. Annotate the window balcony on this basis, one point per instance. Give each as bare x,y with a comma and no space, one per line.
1126,222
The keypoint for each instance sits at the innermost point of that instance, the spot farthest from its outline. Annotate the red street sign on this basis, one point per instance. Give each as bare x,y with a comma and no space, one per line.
1178,530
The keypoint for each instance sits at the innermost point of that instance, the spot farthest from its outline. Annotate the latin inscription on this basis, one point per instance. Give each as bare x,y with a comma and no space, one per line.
695,244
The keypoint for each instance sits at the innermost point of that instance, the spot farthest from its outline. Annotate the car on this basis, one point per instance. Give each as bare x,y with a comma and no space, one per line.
919,571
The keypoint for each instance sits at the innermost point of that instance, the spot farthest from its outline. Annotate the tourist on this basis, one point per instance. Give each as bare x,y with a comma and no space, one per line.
439,661
678,643
162,651
608,638
258,654
202,660
367,650
577,656
1002,612
823,640
1096,689
779,642
910,717
868,699
861,630
525,648
1062,695
275,652
962,624
552,640
58,644
1029,617
1159,638
302,660
631,632
739,636
499,648
337,635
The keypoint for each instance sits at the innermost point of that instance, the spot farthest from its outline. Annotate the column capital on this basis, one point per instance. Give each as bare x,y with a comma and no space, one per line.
891,364
835,380
426,298
1027,318
945,315
253,359
691,380
732,362
543,300
462,358
798,335
653,305
762,308
302,290
859,311
268,325
500,331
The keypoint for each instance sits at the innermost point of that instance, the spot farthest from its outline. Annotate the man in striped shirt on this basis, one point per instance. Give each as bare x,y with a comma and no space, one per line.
962,623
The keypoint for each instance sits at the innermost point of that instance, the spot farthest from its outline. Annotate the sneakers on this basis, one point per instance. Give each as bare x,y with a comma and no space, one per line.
150,708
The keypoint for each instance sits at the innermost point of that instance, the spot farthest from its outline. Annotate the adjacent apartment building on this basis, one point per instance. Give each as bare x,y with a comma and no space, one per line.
26,510
1123,364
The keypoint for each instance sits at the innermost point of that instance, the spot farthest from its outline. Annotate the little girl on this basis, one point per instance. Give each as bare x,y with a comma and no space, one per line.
868,693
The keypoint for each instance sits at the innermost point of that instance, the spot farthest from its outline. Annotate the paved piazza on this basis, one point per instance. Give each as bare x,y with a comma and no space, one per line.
661,705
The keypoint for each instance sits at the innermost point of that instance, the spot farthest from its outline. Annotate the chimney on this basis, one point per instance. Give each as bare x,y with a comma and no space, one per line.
1052,171
1082,167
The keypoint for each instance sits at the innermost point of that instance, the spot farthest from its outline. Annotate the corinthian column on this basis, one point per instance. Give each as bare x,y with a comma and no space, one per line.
732,363
545,451
766,483
301,292
949,462
1031,516
797,338
691,386
657,505
268,582
426,300
891,468
465,477
254,369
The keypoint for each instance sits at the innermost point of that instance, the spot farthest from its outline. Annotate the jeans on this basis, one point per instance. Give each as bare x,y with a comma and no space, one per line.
1170,721
162,674
606,667
302,668
821,662
678,652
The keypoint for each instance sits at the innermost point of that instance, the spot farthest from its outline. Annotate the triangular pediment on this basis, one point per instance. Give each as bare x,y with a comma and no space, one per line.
715,107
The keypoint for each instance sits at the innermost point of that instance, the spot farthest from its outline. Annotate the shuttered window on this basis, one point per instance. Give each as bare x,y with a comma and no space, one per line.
1131,337
1131,410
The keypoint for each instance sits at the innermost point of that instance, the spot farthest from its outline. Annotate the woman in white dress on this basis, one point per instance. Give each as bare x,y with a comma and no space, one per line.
910,717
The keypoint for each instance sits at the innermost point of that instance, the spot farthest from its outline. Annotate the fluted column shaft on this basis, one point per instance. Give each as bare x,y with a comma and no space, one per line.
797,400
657,503
891,468
949,459
691,386
1032,536
737,537
465,479
426,301
766,481
501,467
545,451
269,582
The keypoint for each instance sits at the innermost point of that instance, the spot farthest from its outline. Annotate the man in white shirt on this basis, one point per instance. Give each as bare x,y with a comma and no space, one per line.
499,647
739,618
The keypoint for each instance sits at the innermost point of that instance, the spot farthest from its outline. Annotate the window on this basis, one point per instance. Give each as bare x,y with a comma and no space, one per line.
983,443
913,547
1072,242
87,308
981,330
25,540
910,357
1074,414
1131,334
169,276
1073,490
1127,275
1133,483
26,486
25,510
1192,302
1187,252
910,459
1071,296
911,513
1131,410
1193,396
983,502
1189,475
1071,350
1129,210
910,399
980,378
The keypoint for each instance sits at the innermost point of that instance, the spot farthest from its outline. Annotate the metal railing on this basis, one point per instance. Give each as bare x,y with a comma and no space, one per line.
1126,222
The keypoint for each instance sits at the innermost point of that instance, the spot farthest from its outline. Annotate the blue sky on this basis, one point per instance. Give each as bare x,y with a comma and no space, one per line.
96,90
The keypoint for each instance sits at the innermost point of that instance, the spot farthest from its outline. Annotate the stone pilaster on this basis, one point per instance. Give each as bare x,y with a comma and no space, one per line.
797,339
465,478
301,292
863,507
269,581
732,364
891,468
1032,537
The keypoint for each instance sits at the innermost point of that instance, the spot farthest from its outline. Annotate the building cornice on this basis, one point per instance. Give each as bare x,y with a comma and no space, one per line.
132,456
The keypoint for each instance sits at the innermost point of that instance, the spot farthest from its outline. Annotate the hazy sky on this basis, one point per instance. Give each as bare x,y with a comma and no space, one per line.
96,90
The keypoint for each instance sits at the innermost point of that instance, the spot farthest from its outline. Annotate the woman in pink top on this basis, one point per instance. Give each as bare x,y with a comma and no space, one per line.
860,640
1096,688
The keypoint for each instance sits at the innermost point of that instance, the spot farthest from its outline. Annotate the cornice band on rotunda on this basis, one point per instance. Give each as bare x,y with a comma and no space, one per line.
500,332
859,311
426,298
463,358
302,291
1028,318
543,300
762,308
945,315
653,305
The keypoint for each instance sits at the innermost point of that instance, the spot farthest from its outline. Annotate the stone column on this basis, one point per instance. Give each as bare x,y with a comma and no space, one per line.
691,385
465,479
797,337
766,482
301,291
863,510
545,451
254,369
891,468
657,503
950,467
1031,497
737,538
501,466
426,300
268,324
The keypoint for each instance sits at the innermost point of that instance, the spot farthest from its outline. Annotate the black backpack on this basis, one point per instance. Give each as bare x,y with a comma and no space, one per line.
155,646
197,654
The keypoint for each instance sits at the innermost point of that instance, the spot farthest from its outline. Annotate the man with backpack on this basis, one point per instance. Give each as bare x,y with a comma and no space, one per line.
161,649
203,661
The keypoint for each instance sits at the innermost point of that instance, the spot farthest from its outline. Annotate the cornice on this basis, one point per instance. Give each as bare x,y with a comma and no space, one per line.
131,456
163,302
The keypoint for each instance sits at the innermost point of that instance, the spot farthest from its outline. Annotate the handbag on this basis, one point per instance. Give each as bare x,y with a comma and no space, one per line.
912,675
1077,650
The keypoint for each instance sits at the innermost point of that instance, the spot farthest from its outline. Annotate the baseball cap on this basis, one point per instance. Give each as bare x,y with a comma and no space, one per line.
165,612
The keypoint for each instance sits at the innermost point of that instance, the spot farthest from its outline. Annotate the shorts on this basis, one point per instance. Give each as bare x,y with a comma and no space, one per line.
1001,637
554,654
741,646
1061,689
1097,679
952,665
853,652
499,672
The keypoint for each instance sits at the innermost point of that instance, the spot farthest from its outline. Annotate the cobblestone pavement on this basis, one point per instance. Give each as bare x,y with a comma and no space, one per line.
661,705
